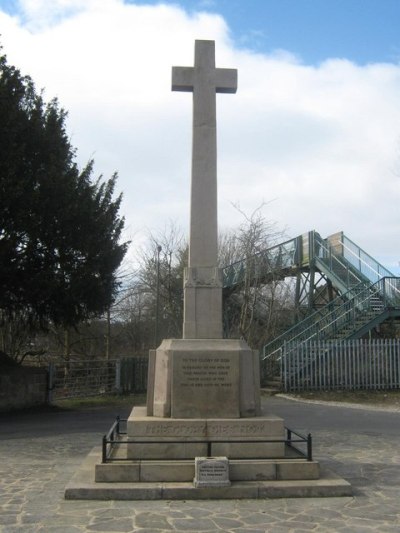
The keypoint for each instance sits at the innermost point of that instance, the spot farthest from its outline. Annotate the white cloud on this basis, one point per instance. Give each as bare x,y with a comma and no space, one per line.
38,14
321,142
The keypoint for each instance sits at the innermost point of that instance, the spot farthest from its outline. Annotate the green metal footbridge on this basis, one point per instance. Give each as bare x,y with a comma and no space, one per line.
341,292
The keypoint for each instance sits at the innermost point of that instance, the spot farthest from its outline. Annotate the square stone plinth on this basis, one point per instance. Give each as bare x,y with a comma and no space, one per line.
171,438
203,378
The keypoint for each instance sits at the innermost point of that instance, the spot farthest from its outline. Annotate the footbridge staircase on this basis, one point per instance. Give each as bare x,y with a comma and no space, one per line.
341,291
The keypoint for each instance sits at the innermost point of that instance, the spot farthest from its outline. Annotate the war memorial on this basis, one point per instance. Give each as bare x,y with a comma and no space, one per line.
202,434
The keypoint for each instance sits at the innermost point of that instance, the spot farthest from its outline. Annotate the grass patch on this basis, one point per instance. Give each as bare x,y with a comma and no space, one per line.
104,400
367,397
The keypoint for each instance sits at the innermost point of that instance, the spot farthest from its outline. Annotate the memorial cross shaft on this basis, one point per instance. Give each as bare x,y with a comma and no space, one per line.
203,280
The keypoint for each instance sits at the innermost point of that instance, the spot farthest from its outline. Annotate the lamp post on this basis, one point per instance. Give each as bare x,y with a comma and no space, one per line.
108,333
157,297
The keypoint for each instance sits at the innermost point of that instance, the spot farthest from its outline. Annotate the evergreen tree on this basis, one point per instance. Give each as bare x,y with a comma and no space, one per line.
59,229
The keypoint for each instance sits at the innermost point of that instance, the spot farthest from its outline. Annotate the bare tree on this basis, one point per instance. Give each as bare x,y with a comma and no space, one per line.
18,339
257,307
253,308
153,308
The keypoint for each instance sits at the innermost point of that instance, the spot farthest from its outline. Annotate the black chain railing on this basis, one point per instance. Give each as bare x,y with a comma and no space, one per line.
114,438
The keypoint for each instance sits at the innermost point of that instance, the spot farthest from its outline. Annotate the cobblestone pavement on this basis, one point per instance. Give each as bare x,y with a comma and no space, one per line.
34,472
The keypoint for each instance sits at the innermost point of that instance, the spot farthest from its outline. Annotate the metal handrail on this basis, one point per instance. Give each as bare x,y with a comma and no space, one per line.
383,294
338,265
279,256
306,323
364,262
111,438
363,290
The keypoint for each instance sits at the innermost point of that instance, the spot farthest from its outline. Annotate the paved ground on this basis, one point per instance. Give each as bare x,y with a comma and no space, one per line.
40,451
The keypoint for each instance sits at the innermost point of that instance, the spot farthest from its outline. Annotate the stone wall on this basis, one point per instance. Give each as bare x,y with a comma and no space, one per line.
22,387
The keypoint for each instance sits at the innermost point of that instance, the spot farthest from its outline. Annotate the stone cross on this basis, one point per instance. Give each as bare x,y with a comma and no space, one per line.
203,283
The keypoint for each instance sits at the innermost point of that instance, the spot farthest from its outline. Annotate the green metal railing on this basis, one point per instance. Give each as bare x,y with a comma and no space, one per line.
365,304
336,267
363,262
302,331
340,272
274,259
346,261
367,289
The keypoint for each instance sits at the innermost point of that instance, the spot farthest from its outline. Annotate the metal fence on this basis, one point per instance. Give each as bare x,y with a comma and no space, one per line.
351,365
76,379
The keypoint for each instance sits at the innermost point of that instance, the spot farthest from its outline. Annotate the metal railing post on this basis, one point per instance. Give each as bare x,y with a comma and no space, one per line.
309,447
50,382
384,291
118,376
104,450
209,448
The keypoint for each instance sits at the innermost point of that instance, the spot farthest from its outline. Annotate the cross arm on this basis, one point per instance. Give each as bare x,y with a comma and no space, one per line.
226,80
182,79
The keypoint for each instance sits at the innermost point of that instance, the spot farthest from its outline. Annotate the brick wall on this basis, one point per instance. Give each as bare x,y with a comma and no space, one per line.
22,387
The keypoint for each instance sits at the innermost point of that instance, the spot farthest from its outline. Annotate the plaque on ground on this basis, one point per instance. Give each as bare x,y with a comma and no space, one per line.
211,472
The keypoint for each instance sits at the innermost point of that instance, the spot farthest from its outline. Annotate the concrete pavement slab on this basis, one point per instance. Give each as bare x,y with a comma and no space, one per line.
36,467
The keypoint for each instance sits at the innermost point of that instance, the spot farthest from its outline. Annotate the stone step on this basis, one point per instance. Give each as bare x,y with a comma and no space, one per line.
83,487
179,471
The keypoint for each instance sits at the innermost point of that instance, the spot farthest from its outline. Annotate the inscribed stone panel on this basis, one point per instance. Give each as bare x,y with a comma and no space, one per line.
205,383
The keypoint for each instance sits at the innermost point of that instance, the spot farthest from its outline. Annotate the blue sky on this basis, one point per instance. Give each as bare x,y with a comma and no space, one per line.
362,31
313,131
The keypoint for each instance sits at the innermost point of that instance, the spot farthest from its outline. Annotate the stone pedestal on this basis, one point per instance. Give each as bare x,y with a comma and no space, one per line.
203,378
203,400
181,438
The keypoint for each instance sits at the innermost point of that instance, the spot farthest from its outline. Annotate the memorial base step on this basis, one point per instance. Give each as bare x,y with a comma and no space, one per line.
84,487
153,437
172,471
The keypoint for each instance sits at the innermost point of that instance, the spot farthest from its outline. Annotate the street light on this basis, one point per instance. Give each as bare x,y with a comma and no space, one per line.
157,297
